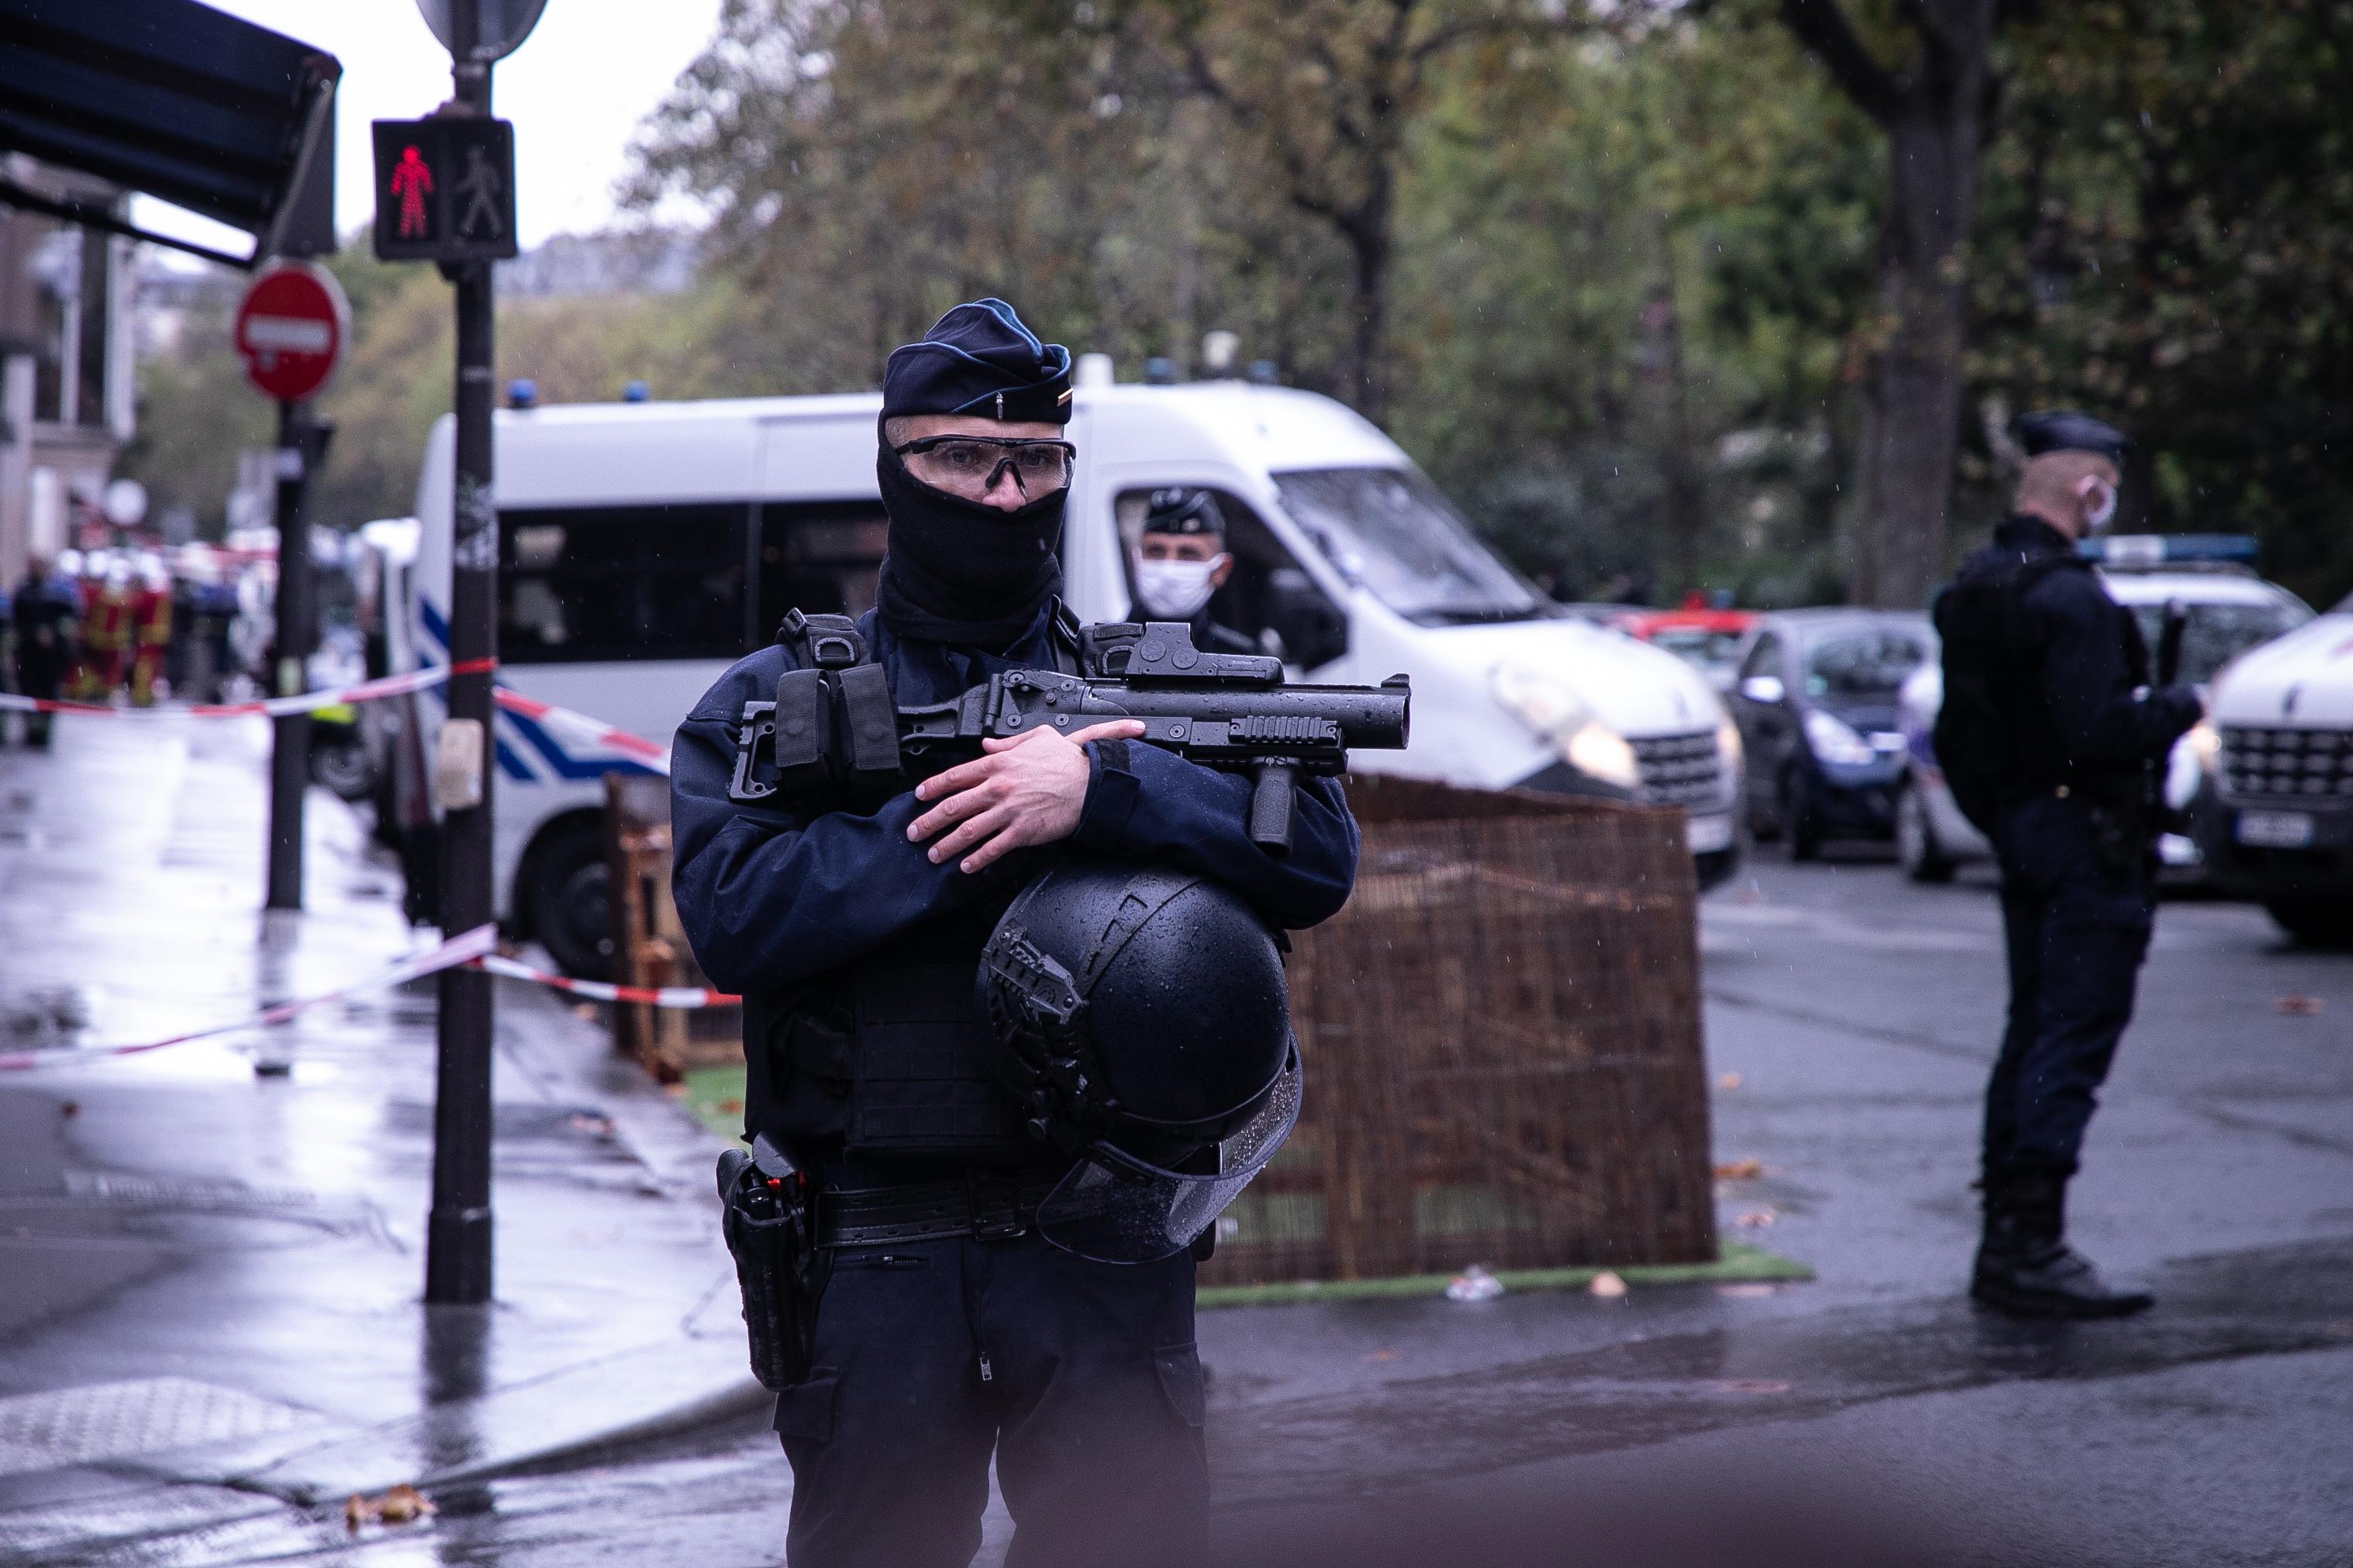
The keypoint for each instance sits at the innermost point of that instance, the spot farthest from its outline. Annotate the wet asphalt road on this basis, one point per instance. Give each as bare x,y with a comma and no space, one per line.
1869,1415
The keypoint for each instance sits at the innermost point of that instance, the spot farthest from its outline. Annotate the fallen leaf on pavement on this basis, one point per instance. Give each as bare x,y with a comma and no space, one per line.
1744,1292
2299,1006
1750,1385
402,1504
1382,1355
1607,1285
1746,1170
1756,1219
1727,1080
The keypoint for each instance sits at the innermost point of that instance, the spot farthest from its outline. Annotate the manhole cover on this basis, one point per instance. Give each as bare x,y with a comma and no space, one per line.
115,1420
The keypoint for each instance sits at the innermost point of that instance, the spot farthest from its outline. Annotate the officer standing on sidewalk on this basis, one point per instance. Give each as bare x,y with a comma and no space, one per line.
2053,742
853,919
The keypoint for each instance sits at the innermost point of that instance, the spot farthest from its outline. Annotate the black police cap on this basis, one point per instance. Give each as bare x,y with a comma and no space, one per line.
1182,512
980,358
2064,430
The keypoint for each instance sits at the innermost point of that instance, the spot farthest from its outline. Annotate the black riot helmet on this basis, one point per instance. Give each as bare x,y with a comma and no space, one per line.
1141,1021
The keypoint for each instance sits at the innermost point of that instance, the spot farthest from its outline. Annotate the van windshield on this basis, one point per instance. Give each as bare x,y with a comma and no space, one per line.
1392,530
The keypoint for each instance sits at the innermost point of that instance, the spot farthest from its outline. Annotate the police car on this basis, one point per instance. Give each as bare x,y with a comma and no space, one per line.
645,546
2278,825
2228,611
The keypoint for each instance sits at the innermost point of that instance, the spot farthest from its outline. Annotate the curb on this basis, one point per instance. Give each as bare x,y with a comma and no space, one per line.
1738,1264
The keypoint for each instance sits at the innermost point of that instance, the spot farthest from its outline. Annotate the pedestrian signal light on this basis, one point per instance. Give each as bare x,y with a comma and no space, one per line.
444,189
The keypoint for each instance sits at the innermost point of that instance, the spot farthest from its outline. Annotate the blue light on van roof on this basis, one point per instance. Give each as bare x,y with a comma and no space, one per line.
2146,549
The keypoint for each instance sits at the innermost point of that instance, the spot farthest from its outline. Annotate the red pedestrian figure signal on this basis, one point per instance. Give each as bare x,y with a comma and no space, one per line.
444,189
412,182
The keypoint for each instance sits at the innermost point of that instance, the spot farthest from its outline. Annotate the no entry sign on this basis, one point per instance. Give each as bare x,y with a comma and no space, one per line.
290,330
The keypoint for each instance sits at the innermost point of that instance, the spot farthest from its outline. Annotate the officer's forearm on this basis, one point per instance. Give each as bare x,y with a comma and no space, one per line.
1147,804
767,904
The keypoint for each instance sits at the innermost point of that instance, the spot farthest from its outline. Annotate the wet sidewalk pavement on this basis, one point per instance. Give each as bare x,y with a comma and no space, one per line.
213,1254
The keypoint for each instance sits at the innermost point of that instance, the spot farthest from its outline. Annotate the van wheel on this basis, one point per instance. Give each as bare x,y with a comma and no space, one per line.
1924,859
2314,923
1798,819
570,890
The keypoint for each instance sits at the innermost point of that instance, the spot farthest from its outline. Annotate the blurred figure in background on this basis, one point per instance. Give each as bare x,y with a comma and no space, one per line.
42,646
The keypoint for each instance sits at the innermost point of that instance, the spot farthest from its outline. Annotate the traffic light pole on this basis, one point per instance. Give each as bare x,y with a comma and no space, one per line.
457,1234
298,632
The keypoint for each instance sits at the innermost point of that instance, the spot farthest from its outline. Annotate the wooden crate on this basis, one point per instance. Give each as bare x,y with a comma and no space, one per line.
650,947
1502,1040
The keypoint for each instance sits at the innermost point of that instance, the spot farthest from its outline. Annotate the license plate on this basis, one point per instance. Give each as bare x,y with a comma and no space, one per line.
2275,829
1706,834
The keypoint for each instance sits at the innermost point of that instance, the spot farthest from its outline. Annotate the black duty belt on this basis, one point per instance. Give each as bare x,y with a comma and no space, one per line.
932,1211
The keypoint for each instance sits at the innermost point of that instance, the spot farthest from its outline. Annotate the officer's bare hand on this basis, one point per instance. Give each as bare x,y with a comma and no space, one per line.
1028,790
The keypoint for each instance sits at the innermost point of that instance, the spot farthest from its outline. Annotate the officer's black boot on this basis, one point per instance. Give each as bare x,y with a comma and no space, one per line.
2024,1266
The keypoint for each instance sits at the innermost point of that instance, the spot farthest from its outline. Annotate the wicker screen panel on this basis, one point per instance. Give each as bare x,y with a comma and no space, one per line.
1501,1040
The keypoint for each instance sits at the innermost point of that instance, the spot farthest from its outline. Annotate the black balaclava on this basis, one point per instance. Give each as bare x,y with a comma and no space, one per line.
960,572
956,571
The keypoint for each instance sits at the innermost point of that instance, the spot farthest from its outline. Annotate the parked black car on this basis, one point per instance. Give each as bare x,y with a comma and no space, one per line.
1816,705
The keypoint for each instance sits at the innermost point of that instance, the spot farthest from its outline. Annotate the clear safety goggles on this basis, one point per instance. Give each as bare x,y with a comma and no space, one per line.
1114,1207
970,466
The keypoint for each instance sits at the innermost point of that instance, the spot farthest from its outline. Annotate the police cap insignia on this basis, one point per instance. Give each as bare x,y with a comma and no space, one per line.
2064,430
980,358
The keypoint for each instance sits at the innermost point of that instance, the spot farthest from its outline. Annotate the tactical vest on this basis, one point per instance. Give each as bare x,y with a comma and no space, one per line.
886,1058
1996,738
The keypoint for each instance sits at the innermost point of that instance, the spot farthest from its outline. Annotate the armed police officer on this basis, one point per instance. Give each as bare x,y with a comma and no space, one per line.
1181,561
2053,740
854,920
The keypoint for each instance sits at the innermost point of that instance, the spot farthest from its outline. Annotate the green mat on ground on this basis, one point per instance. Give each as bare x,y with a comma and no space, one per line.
715,1095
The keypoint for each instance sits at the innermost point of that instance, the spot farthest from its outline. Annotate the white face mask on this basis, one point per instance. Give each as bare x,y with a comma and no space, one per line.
2102,497
1175,590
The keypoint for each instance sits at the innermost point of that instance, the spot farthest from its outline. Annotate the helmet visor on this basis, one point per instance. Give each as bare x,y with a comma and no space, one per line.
1114,1207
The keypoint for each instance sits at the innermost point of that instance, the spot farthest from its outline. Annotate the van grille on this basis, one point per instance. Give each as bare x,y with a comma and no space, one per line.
2286,763
1681,770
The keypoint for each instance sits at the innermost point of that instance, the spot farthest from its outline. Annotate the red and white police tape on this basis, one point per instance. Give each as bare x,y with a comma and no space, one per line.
600,991
581,727
458,950
269,706
471,951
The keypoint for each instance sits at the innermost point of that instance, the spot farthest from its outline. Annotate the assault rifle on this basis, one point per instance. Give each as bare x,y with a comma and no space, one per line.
1231,711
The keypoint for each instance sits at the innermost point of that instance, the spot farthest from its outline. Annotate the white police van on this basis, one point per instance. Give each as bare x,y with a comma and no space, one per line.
2227,610
644,546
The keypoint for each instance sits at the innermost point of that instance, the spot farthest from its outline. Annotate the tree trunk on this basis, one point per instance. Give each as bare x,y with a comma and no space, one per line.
1912,384
1933,116
1370,245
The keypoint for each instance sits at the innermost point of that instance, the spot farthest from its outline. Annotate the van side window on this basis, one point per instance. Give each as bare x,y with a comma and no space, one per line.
817,558
1765,658
1269,598
578,584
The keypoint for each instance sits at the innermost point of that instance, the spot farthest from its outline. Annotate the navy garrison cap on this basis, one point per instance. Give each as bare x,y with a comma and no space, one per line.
980,358
2064,430
1182,512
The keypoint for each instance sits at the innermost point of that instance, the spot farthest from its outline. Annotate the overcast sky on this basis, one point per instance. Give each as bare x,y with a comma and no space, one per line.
575,91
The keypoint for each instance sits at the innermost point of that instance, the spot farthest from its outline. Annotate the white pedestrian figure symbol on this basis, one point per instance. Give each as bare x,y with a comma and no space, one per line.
481,189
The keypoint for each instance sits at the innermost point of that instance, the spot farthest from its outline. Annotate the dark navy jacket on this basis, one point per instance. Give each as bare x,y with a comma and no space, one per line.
2088,710
770,898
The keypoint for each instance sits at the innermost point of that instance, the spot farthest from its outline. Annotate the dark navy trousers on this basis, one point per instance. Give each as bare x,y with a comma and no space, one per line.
2077,930
1080,1377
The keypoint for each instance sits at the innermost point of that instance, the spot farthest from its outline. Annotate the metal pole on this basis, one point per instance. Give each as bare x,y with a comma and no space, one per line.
298,633
458,1238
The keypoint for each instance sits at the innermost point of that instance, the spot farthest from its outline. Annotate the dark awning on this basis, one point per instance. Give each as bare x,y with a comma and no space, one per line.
168,98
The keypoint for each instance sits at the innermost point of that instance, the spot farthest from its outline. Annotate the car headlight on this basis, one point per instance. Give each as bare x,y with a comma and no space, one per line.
2205,744
1834,741
1554,711
1727,745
